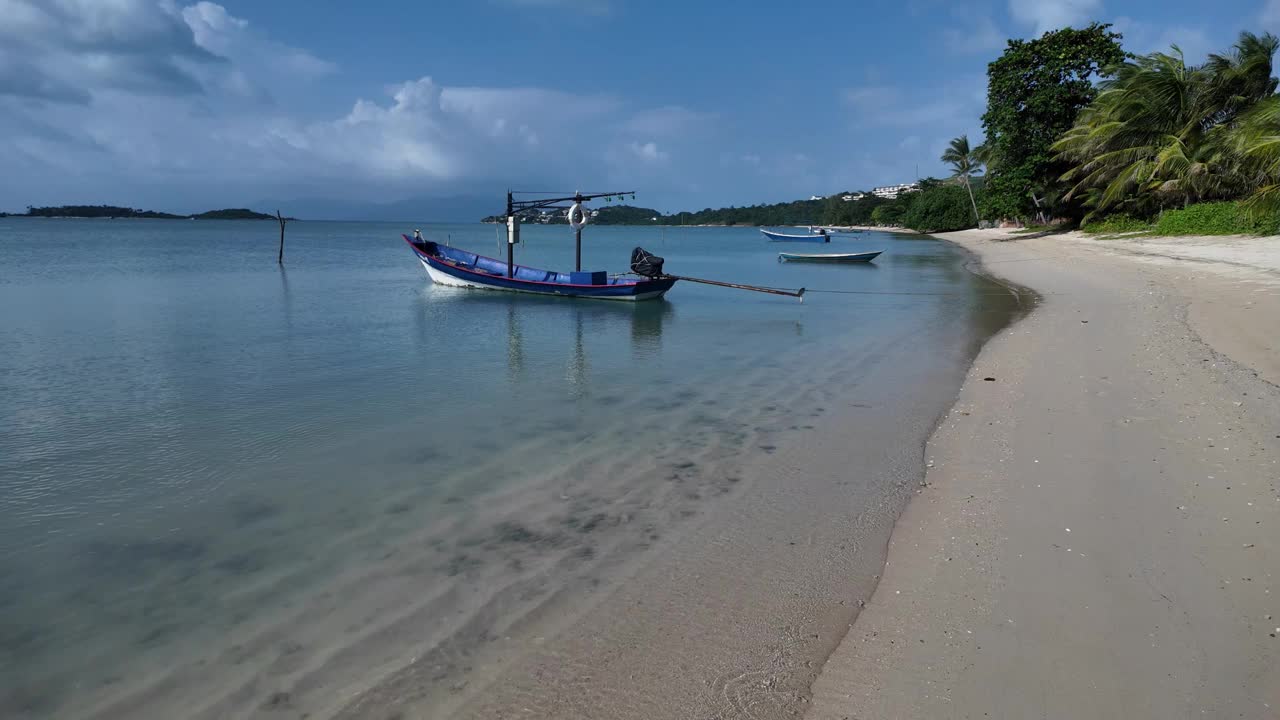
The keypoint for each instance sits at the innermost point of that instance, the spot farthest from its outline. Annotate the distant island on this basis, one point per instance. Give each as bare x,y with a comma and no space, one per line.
112,212
235,214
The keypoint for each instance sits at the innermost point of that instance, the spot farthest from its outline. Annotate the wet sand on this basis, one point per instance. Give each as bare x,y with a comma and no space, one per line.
731,616
1100,532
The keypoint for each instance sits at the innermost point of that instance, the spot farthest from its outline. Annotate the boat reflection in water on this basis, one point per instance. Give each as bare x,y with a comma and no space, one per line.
539,331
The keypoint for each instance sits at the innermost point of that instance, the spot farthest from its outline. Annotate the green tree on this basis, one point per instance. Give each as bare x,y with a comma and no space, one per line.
1034,92
964,165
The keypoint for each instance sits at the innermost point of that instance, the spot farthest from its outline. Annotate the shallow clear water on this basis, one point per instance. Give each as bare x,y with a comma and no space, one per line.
193,440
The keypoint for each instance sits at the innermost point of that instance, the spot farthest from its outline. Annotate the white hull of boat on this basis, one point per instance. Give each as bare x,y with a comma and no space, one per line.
441,278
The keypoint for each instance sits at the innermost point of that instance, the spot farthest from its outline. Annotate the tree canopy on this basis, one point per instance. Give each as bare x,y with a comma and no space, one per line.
1034,92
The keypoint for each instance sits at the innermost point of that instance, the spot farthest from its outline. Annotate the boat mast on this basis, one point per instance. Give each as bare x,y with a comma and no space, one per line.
516,208
577,245
513,234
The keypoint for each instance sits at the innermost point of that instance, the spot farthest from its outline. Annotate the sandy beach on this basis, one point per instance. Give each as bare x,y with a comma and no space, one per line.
1099,535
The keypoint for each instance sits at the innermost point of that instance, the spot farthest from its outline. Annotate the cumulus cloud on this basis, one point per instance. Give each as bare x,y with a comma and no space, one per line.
56,50
227,36
1045,15
66,51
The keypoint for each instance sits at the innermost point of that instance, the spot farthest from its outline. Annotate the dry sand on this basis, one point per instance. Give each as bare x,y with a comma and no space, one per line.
1100,533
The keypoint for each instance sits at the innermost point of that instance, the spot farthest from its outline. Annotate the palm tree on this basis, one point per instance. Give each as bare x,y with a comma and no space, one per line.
1161,130
984,155
963,166
1256,141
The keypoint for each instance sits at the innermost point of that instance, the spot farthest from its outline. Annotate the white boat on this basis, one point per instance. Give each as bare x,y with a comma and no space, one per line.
829,257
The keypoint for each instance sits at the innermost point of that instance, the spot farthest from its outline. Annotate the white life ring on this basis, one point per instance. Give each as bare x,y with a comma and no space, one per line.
581,221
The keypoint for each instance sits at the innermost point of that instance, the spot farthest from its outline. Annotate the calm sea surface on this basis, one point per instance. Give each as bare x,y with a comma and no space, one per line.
199,448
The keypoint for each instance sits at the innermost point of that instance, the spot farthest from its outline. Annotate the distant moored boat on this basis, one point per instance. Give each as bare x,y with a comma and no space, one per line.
784,237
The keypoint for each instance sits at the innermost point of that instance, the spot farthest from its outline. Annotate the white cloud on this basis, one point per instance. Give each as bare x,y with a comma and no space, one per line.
1046,15
56,50
227,36
69,50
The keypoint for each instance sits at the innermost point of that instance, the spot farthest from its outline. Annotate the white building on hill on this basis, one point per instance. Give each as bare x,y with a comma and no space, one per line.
891,192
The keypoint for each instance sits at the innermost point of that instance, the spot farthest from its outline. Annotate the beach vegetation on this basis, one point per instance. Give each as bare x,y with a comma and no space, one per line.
1215,218
1115,224
1224,217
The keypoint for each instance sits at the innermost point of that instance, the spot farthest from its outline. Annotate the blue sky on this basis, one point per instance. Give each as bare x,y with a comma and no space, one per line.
335,107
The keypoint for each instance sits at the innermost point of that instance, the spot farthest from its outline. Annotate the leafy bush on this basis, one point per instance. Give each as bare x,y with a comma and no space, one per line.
1118,223
940,208
1214,218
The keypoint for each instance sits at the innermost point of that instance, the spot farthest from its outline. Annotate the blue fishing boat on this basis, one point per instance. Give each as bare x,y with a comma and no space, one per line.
816,237
448,265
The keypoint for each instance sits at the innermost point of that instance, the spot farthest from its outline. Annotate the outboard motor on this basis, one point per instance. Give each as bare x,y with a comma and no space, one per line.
646,264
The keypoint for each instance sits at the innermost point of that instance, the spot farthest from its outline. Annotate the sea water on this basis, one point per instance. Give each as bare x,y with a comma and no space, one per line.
214,468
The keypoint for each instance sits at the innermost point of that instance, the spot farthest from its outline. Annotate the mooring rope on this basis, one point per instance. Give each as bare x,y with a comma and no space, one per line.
909,292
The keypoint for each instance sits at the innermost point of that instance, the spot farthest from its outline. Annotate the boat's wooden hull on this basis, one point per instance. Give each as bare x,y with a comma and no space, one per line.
451,266
829,257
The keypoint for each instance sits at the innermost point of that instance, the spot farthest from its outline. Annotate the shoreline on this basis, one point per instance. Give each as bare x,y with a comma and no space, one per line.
1085,534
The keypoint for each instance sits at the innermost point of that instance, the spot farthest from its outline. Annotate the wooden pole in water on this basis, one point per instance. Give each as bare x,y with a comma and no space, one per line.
282,221
577,241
